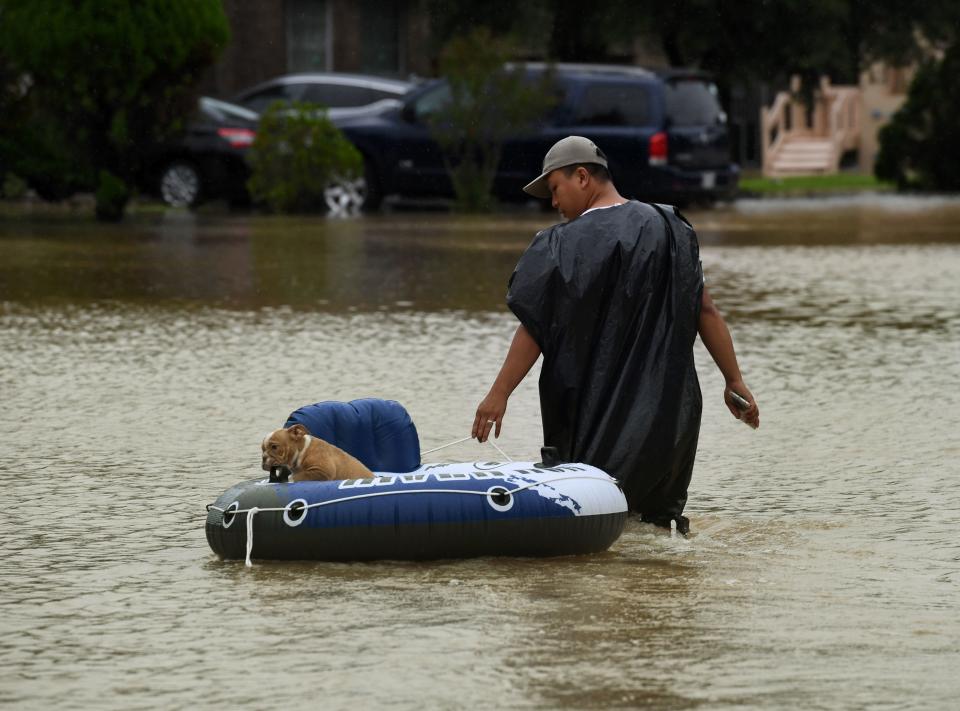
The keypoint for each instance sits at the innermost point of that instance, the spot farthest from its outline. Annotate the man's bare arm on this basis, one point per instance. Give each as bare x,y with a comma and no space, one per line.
523,353
716,337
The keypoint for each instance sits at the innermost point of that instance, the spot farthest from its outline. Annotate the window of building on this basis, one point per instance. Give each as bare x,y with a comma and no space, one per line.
898,80
308,35
380,49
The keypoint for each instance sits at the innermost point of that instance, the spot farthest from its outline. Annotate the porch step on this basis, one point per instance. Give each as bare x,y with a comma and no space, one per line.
803,156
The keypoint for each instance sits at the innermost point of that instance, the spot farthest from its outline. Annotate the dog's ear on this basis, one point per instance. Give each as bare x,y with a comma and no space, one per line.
297,431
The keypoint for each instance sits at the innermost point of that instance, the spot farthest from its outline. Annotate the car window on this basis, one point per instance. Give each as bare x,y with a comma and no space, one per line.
693,102
613,105
262,99
222,111
379,94
431,102
336,95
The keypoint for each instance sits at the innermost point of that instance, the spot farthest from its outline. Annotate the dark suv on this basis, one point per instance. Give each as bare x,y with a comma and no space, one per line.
664,133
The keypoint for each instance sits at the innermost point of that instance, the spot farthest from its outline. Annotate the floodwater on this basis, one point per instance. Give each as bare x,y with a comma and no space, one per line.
142,364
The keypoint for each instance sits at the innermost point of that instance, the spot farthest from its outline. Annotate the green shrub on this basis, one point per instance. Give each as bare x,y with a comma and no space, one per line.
920,147
90,85
489,101
112,196
13,187
296,154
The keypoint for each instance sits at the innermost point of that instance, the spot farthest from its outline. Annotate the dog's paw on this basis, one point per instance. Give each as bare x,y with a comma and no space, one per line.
279,474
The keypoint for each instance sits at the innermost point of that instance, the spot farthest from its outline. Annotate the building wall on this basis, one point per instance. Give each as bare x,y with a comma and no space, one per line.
883,89
257,50
273,37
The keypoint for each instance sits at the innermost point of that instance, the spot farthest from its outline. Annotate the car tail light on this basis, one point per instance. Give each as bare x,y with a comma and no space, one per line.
237,137
658,148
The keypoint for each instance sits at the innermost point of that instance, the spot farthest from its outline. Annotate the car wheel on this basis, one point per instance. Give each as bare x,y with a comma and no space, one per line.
344,196
180,184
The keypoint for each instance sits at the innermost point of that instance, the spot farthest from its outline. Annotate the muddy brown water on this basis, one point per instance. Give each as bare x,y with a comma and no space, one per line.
142,363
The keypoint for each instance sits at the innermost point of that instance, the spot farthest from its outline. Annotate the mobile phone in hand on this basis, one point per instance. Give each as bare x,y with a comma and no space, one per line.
739,400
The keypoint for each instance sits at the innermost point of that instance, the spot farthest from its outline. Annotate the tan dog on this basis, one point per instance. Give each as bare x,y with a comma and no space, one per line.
309,458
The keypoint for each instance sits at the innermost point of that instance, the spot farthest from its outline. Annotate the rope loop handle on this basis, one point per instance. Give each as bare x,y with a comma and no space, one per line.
250,514
461,441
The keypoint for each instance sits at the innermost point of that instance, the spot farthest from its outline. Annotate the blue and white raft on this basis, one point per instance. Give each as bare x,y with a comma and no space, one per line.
426,511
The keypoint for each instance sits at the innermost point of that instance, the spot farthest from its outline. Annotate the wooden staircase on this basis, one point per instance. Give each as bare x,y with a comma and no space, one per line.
798,140
803,155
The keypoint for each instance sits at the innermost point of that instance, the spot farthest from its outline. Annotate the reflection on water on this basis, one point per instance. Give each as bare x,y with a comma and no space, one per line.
427,262
143,363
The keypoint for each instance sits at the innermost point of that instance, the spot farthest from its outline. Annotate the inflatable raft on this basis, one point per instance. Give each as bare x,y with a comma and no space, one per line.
409,510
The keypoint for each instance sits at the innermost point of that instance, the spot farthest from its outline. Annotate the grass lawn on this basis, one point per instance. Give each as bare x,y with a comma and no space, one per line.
813,184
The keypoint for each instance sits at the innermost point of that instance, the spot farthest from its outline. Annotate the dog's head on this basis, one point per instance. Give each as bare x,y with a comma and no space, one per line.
280,447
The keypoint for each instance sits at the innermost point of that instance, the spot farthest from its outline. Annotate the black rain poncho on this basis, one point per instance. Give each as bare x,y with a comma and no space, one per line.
613,299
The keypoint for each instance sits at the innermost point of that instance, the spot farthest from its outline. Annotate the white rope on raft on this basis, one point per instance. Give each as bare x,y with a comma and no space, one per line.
461,441
250,514
253,510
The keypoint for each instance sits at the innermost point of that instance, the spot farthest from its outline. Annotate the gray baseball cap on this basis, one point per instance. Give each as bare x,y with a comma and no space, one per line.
572,150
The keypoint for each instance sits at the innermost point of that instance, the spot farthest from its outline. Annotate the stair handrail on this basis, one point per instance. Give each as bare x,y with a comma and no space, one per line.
773,119
844,122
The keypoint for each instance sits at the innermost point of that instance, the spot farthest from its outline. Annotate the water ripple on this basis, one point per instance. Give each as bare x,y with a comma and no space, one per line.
822,570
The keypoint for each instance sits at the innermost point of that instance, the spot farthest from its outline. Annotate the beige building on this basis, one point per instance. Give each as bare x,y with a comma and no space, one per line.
883,89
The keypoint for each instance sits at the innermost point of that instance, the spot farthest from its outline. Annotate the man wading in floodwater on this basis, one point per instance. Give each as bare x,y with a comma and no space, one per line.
614,299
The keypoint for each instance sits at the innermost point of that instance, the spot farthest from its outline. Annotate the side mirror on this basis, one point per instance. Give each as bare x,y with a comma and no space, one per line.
408,113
